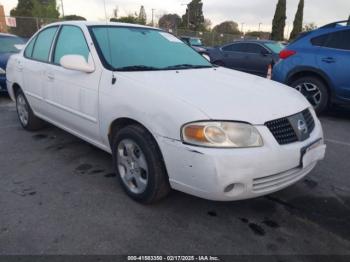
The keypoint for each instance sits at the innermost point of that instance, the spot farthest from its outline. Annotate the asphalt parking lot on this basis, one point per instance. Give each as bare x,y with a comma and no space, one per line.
58,195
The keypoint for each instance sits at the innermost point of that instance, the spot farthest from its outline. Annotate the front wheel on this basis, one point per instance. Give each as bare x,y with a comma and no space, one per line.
315,92
139,165
25,114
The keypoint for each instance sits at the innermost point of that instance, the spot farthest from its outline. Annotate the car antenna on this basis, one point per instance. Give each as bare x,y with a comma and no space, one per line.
114,79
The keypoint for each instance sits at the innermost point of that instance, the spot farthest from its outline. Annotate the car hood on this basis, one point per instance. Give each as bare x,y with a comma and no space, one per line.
223,94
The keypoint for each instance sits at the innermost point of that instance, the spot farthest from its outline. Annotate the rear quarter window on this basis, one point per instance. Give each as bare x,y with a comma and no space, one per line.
319,40
29,49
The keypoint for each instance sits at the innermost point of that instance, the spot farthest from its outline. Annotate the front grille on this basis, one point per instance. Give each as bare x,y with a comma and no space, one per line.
282,130
310,122
285,129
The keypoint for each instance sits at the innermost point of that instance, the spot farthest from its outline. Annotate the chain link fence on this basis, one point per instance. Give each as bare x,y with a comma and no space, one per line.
24,27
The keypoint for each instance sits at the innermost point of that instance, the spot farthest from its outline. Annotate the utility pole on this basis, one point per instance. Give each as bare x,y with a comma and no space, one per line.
153,16
62,8
242,27
260,26
116,10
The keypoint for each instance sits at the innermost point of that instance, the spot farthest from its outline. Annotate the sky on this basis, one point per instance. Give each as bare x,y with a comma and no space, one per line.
249,12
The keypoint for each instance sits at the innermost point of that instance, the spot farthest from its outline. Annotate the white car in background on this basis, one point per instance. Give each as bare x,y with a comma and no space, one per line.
169,118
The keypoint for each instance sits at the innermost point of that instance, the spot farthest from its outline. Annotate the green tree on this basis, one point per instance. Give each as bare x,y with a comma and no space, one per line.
258,34
142,16
193,19
73,18
279,21
45,9
227,27
309,27
131,19
32,14
298,21
169,21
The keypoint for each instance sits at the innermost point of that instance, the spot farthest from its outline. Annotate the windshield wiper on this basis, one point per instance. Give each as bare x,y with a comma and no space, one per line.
187,66
137,68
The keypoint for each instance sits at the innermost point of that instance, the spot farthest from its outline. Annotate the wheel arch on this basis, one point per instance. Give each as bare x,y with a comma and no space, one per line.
122,122
310,71
13,89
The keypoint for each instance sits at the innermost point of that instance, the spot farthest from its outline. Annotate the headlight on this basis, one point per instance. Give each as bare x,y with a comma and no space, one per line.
2,71
221,134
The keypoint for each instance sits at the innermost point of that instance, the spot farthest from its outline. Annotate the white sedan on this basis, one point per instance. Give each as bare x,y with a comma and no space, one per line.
169,118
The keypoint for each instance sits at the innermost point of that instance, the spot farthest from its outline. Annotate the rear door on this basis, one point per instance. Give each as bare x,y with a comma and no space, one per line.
33,66
234,56
334,59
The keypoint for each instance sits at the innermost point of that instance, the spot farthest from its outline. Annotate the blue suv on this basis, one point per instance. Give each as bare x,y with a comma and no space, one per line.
8,45
317,64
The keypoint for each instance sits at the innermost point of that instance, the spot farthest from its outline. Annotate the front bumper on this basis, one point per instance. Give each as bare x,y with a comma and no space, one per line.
234,174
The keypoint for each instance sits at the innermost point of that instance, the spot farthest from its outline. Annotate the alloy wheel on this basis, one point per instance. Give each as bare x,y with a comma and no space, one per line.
312,93
22,109
132,166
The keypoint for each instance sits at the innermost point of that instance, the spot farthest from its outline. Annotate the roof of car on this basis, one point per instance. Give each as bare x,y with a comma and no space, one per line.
92,23
256,41
194,37
252,41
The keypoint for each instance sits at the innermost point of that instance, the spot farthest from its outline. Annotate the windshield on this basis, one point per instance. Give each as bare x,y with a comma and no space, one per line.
7,44
143,49
196,42
275,47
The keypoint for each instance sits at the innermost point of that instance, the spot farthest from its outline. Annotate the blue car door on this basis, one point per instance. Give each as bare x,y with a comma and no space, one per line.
334,59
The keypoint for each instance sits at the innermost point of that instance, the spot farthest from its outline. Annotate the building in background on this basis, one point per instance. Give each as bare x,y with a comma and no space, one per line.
3,27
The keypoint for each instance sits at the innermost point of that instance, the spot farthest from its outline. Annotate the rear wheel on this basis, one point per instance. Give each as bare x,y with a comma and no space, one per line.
139,165
25,114
315,92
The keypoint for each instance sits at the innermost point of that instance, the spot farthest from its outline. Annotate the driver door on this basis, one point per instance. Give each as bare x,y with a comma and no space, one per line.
72,98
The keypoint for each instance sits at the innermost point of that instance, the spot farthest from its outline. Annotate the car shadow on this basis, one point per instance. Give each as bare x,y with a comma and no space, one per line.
338,112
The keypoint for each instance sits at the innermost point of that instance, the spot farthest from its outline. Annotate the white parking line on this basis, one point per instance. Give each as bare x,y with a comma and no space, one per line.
337,142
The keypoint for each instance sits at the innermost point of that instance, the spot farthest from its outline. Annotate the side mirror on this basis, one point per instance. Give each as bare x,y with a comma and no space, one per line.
78,63
265,52
206,57
20,47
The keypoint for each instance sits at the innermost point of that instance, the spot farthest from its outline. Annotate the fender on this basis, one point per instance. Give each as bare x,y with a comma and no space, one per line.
317,71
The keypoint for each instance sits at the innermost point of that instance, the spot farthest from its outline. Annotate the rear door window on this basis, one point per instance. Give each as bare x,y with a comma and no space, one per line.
43,44
320,40
339,40
254,48
234,48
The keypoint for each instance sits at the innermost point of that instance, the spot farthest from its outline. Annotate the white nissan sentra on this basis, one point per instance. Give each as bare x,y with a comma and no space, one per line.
169,118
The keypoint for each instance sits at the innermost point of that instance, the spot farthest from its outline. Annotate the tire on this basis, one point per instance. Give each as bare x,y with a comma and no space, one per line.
25,114
139,165
315,91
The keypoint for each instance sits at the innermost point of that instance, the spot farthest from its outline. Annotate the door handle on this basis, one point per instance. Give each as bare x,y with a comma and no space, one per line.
20,67
50,76
328,60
